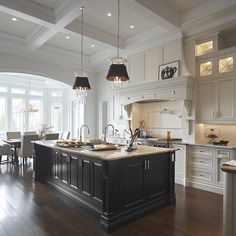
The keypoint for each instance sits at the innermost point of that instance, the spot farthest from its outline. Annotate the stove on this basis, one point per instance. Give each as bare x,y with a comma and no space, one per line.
164,143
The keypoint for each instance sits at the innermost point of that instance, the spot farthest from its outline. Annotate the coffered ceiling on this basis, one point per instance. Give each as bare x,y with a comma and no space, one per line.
57,23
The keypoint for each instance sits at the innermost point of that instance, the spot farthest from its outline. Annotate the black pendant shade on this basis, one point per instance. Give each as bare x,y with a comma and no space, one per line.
81,83
117,70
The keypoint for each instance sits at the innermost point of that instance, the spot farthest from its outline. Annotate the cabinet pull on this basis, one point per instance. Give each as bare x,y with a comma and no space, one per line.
202,175
148,165
145,167
202,151
213,114
202,161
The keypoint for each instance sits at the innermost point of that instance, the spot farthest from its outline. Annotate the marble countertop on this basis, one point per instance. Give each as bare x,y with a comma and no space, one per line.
109,154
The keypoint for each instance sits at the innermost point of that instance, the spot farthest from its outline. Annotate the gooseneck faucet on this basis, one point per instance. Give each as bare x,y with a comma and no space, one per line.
105,134
80,131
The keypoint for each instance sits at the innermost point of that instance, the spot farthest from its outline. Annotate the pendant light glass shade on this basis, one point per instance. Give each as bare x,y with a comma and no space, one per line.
117,72
81,84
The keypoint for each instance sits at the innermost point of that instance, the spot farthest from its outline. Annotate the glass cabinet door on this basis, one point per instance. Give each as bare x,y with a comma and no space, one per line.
226,64
206,68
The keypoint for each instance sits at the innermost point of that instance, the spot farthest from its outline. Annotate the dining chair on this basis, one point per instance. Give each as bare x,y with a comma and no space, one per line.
65,135
13,134
4,151
26,149
52,136
30,132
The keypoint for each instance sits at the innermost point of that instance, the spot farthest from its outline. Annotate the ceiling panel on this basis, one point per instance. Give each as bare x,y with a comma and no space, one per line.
20,27
96,16
53,4
73,44
183,5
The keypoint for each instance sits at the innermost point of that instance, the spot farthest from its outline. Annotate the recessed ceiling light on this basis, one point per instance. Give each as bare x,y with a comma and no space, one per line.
132,26
67,36
14,19
109,14
92,45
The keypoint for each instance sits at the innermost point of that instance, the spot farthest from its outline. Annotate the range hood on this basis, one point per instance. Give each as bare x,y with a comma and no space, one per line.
178,88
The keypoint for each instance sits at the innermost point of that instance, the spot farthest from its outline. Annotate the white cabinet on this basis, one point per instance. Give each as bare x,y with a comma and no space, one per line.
216,100
225,99
205,96
204,167
180,163
136,68
153,58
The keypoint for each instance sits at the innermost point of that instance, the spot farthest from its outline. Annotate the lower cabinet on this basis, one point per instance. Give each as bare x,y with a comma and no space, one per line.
144,180
78,173
204,167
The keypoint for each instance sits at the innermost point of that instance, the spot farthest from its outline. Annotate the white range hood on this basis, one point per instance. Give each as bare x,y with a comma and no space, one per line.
178,88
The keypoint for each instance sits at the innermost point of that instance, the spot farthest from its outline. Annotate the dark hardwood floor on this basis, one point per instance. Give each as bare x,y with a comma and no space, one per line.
29,208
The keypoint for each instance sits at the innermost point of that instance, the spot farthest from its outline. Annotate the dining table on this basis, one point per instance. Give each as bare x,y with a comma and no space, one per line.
15,143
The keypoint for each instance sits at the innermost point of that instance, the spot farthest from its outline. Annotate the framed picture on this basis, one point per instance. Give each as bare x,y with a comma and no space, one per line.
169,70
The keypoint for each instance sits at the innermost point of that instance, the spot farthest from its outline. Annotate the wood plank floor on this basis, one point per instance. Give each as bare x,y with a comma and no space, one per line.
29,208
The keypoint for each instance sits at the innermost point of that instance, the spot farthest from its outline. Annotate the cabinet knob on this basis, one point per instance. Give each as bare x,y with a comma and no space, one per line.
173,92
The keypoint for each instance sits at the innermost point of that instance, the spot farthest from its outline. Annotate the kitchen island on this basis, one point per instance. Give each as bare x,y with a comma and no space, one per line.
121,186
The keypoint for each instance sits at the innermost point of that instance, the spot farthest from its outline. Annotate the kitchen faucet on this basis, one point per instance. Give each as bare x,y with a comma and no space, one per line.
80,132
105,134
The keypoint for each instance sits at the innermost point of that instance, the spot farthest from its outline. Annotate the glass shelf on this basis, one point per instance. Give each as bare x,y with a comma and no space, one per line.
204,48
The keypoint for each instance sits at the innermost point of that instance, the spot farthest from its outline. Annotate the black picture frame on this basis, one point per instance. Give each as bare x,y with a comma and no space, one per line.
167,71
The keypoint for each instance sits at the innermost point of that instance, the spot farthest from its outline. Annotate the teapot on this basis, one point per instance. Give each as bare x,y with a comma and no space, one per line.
168,72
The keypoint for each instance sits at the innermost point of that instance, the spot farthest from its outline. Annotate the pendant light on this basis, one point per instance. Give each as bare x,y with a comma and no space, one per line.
117,72
81,84
30,107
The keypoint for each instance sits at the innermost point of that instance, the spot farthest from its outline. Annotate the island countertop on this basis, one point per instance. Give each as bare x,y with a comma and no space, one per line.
108,154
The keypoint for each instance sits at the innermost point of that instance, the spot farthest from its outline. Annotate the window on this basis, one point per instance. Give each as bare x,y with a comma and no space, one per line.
204,48
17,114
35,118
36,92
206,68
18,91
56,116
2,114
226,64
3,89
57,94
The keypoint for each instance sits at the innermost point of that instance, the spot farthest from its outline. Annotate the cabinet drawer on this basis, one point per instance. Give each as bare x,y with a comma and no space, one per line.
201,162
202,150
201,175
221,153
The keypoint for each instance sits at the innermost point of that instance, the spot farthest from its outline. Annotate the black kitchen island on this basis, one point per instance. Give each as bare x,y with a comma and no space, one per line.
120,186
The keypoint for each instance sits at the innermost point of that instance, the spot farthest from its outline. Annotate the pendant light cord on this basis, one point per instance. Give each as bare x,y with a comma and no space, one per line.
118,31
82,39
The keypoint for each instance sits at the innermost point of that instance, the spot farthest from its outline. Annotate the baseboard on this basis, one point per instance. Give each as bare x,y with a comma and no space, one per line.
206,187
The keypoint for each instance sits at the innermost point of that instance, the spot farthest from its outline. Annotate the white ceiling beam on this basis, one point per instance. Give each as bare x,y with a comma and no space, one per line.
67,12
157,11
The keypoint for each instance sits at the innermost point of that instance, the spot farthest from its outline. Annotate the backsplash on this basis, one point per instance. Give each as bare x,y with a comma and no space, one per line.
159,118
226,132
